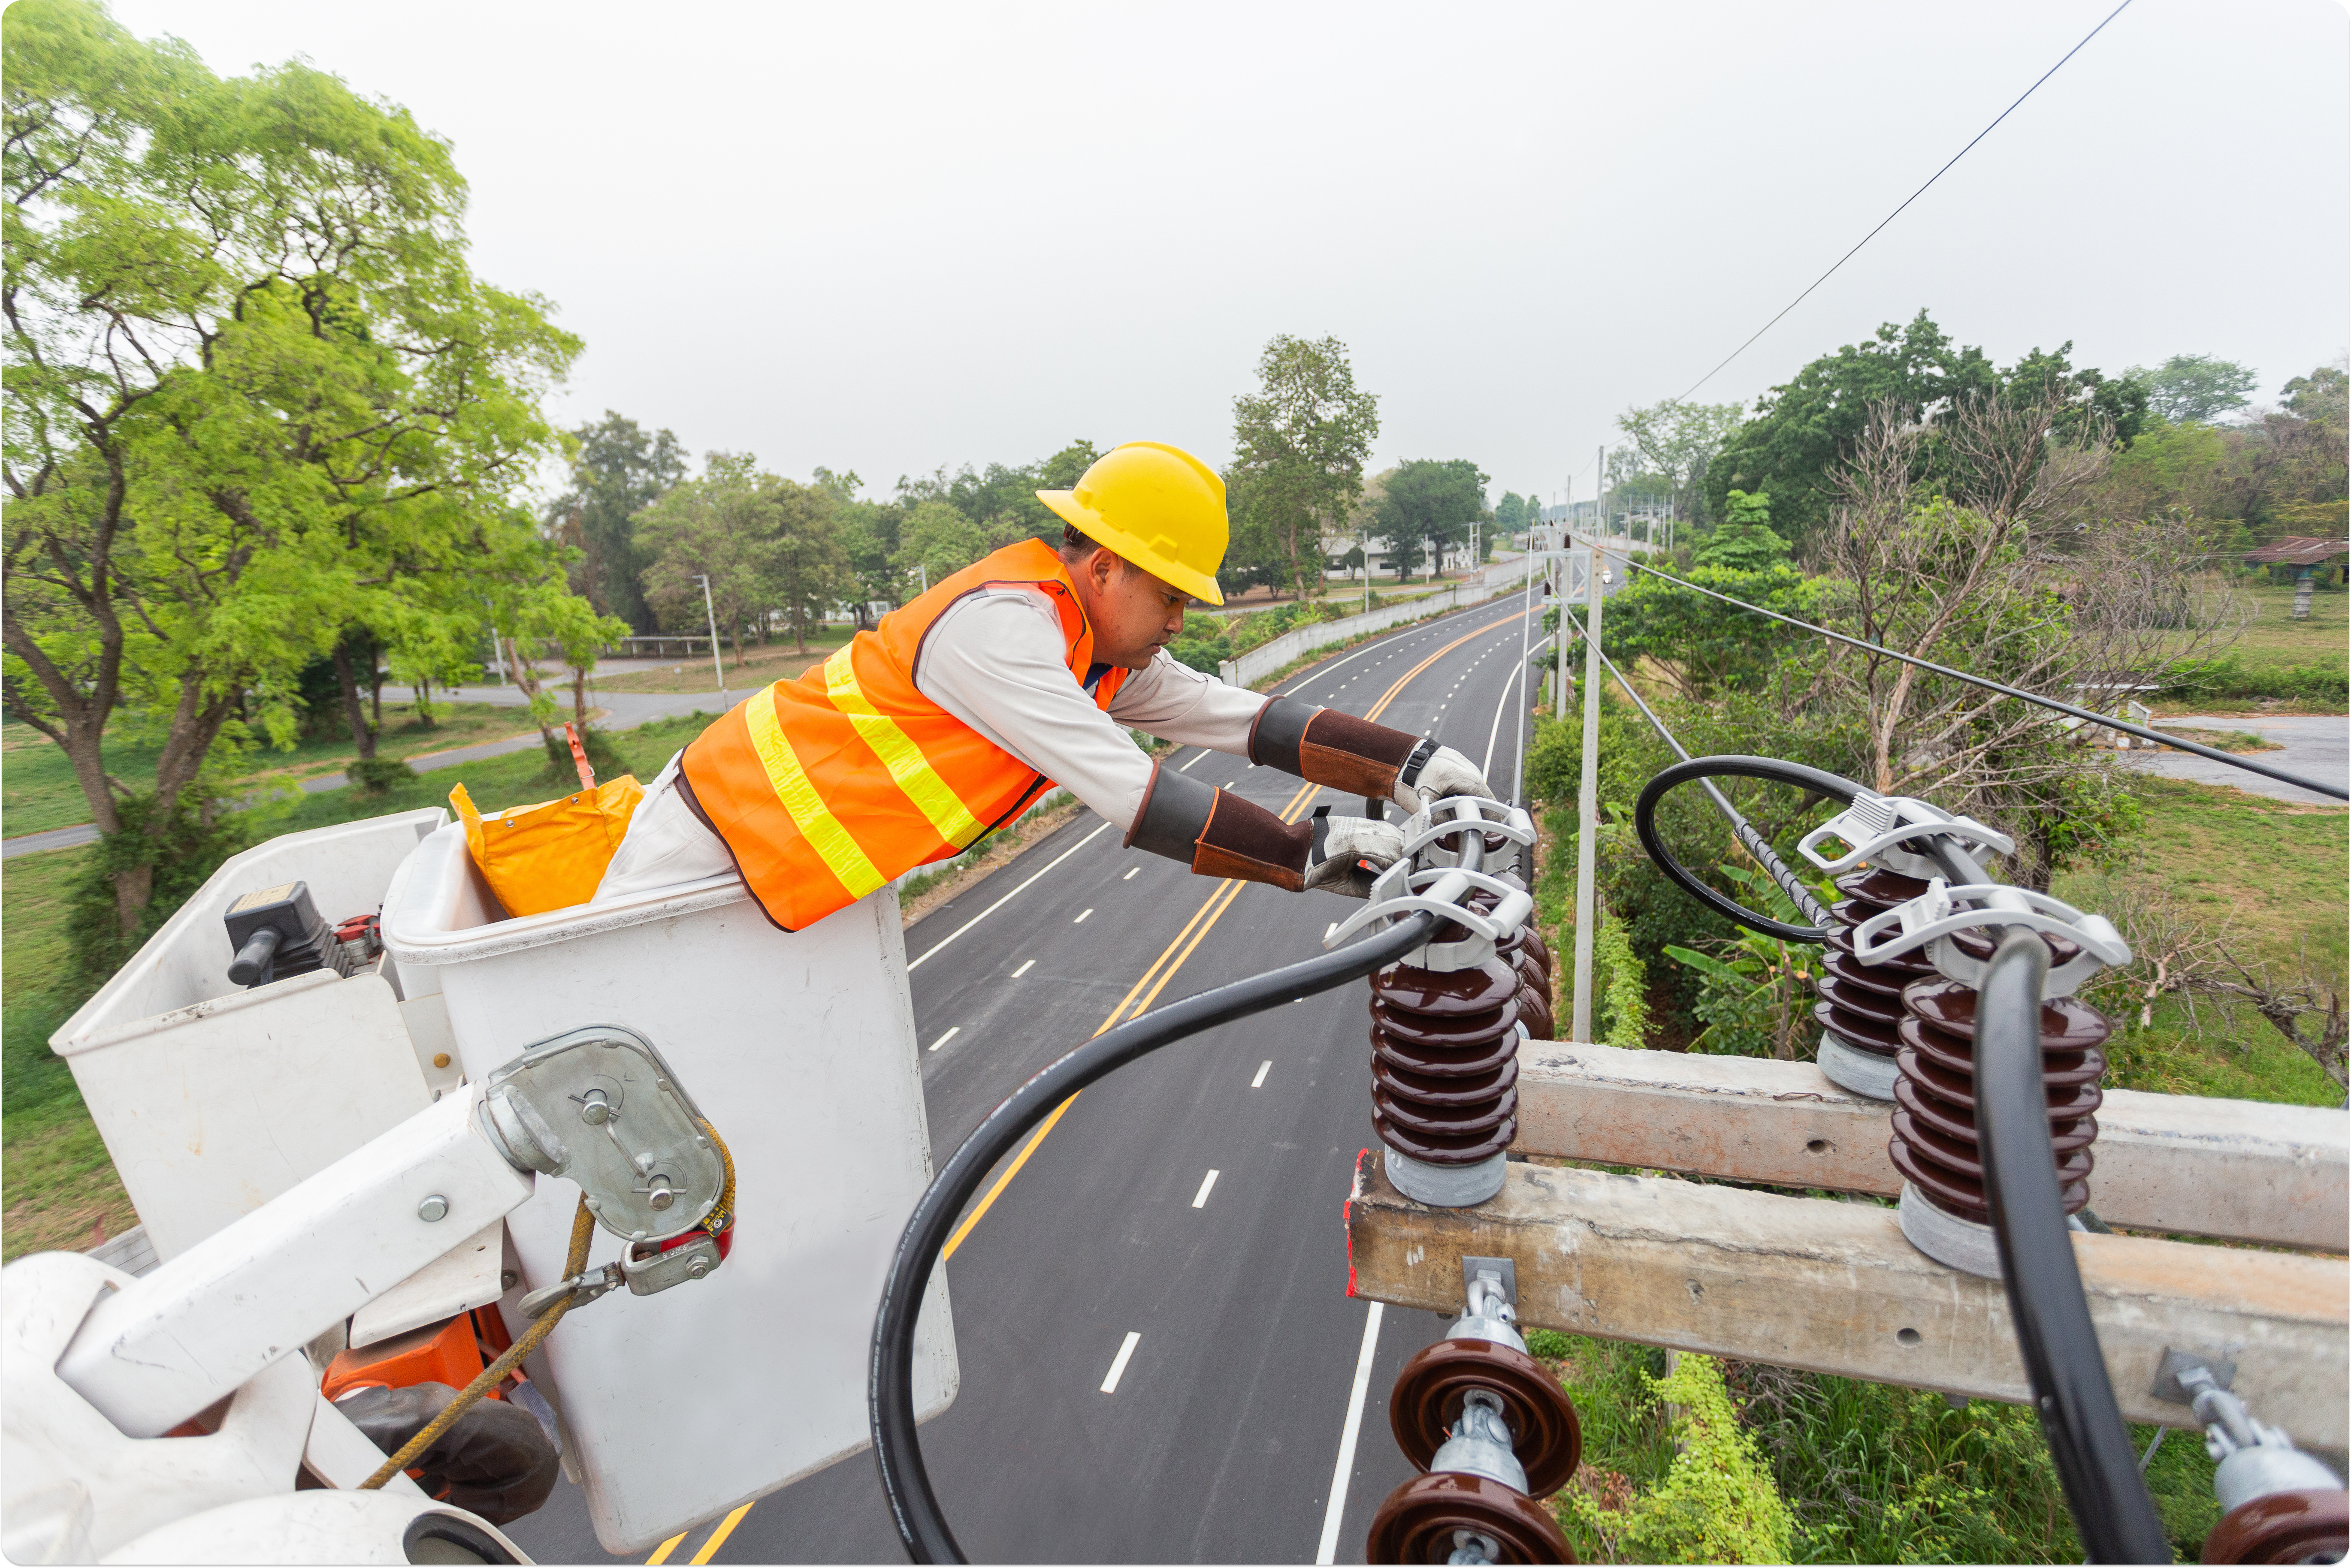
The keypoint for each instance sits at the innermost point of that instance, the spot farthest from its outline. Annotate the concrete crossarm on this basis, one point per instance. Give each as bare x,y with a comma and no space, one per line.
1831,1286
2175,1163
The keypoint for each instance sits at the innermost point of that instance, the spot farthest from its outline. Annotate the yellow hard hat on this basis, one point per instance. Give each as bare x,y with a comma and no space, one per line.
1157,507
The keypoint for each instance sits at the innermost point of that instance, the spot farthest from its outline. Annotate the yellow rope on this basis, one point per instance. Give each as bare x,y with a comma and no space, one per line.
717,1218
583,1226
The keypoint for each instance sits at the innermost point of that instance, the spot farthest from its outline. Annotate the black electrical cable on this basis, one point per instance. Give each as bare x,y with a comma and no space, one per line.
1645,824
1790,883
889,1379
2158,736
2088,1442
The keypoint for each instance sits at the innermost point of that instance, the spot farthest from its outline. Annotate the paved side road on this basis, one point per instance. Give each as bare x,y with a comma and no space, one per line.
2316,746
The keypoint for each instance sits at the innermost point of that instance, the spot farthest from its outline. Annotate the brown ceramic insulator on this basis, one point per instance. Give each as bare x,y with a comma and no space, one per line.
1443,1060
1861,1003
1429,1393
2306,1526
1935,1144
1417,1521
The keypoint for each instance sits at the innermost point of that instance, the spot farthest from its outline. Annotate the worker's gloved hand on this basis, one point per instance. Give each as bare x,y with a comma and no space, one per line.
1347,853
1435,772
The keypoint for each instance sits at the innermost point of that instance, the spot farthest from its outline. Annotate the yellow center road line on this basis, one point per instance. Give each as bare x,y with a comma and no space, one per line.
1389,696
1211,910
718,1536
661,1553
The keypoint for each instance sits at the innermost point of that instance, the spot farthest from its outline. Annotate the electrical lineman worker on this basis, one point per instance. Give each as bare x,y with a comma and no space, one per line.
1024,670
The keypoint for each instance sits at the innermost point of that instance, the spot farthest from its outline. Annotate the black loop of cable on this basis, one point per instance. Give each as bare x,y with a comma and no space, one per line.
1794,886
2158,737
890,1380
1702,769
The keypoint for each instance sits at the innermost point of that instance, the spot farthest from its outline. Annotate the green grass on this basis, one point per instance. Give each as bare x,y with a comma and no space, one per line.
2274,640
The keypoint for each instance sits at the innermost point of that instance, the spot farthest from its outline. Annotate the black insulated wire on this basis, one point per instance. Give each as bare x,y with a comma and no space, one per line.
2177,743
2088,1442
889,1379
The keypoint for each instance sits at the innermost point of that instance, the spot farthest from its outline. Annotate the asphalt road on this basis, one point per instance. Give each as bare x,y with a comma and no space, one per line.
1179,1223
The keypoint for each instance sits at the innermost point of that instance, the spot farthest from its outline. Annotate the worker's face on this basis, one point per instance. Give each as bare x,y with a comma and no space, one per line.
1134,615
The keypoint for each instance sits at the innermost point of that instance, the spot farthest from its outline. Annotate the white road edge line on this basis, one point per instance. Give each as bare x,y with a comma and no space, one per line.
1027,964
1494,733
1188,766
1118,1365
948,1036
1200,1198
1008,898
1327,1551
1262,1069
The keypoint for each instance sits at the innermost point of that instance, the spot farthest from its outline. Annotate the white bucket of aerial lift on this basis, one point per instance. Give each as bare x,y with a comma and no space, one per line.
1930,920
1873,827
800,1048
214,1099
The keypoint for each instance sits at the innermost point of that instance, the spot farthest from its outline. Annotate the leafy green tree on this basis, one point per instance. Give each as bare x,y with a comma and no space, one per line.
2319,396
1676,441
935,540
251,382
1515,513
1432,504
1803,432
2193,389
807,567
1744,541
618,469
1001,500
720,526
1299,444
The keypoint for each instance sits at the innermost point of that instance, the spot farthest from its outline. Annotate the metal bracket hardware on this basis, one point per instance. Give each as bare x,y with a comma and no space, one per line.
633,1141
649,1271
2219,1374
1874,825
1407,889
582,1288
1931,918
1499,1275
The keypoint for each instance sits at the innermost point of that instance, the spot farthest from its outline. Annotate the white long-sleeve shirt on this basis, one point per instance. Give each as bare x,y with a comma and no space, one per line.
995,659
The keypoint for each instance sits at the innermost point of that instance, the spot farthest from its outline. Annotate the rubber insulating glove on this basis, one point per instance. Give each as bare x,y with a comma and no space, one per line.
1437,772
1347,853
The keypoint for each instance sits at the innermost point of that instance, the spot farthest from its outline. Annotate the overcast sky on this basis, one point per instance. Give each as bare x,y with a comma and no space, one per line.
891,237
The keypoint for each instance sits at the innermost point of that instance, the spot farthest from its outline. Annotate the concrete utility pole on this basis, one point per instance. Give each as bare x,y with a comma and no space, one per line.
1526,656
1587,813
718,668
1559,646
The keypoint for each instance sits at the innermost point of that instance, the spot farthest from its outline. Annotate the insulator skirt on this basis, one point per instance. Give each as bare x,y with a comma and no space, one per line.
1444,1060
1936,1145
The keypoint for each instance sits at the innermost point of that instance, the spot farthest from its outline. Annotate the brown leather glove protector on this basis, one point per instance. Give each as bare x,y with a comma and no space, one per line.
1324,747
1220,833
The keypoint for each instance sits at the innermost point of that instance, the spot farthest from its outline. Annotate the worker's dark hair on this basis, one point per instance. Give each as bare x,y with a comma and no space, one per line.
1072,542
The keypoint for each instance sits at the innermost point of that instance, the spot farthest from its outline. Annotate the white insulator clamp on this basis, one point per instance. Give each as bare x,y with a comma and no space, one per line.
1929,920
1424,881
1874,825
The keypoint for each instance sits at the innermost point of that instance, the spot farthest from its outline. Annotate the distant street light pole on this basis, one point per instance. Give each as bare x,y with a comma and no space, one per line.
717,668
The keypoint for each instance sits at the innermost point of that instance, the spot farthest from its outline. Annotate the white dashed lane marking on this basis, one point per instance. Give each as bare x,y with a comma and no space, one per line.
1118,1365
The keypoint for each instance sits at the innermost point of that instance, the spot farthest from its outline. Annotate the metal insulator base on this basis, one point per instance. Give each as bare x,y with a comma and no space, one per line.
1446,1186
1961,1244
1863,1072
1935,1144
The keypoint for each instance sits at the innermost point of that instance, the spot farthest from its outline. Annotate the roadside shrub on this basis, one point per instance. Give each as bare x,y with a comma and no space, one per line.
609,761
377,775
179,855
2228,677
1718,1502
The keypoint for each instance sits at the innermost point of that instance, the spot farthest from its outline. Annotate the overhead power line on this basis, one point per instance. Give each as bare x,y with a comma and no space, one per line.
1914,195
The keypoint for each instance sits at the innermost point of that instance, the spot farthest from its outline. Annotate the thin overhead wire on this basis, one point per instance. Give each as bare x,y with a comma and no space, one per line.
2177,743
1914,195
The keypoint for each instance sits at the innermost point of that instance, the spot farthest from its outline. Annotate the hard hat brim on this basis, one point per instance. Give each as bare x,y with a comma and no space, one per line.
1065,504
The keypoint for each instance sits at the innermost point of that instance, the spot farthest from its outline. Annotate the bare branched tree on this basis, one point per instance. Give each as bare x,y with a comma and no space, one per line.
2306,1010
1974,546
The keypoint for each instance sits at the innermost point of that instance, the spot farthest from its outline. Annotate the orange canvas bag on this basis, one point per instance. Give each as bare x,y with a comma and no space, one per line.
549,856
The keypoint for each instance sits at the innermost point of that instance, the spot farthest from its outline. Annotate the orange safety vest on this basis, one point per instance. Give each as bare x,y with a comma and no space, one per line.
826,787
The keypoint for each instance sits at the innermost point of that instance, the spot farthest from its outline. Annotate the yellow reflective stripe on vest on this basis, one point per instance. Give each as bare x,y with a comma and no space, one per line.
823,831
909,769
